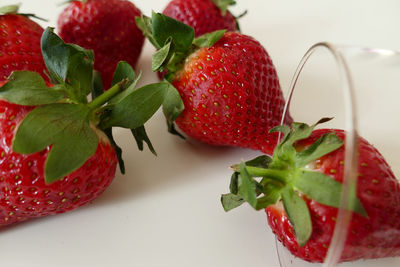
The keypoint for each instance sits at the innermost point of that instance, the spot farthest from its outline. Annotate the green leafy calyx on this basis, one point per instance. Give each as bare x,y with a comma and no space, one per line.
224,4
285,176
63,118
174,42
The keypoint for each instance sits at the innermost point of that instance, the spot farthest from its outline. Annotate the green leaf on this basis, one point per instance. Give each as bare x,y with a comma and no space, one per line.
135,109
29,89
174,62
31,15
140,136
285,153
209,39
231,201
97,87
299,131
267,200
262,161
323,189
323,146
117,149
234,184
10,9
165,28
319,187
244,13
299,215
277,175
65,127
145,24
323,120
160,57
224,4
172,108
172,130
127,91
172,104
281,128
247,187
353,202
124,71
68,64
271,191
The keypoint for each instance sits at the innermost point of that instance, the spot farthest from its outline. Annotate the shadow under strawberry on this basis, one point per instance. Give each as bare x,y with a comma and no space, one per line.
179,163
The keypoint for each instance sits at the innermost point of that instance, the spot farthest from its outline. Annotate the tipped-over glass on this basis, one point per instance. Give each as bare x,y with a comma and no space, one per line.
360,89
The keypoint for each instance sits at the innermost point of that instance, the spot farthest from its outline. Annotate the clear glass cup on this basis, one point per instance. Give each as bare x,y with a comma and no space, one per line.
360,88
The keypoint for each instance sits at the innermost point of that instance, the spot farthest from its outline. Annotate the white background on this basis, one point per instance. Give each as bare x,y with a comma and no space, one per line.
165,211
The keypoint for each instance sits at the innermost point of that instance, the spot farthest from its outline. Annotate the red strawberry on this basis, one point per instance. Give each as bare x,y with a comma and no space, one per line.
23,191
204,16
227,82
107,27
231,94
314,175
20,43
57,151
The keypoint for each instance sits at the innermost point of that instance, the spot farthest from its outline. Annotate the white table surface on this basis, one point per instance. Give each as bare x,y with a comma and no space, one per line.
165,211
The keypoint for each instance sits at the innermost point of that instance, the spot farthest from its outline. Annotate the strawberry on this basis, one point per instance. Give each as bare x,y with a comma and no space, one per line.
57,151
20,43
301,187
227,82
204,16
107,27
24,194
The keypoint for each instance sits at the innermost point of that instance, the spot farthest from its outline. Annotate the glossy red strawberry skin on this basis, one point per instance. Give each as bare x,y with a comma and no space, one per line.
23,192
231,94
108,27
20,45
202,15
367,238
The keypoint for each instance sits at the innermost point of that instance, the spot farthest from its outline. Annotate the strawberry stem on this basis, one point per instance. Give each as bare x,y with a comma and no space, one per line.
107,95
277,175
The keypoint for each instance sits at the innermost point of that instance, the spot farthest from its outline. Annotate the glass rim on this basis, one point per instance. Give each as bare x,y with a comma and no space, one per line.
351,161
